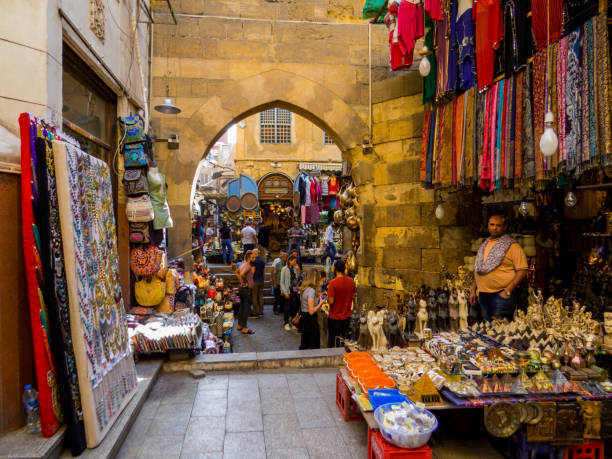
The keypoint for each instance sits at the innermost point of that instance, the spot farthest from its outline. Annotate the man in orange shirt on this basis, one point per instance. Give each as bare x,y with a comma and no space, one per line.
500,266
340,293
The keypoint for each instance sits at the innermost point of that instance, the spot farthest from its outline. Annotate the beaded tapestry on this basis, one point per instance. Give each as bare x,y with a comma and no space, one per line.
106,371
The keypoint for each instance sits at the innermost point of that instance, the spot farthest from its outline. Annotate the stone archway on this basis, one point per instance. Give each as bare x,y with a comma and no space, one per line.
232,102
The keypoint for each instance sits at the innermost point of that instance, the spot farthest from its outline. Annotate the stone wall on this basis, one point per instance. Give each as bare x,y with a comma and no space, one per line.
403,244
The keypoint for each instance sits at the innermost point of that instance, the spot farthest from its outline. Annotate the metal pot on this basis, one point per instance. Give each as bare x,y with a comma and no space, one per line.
351,262
352,223
344,198
350,212
339,217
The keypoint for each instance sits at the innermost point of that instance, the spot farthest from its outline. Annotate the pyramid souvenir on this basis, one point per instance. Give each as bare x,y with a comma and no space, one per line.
541,383
522,385
485,386
560,383
507,381
496,385
424,391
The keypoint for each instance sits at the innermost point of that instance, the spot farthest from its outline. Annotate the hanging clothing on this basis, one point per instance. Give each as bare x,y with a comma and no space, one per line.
410,27
489,32
307,183
464,41
333,186
302,190
434,10
397,59
578,12
603,88
517,41
429,82
324,186
544,25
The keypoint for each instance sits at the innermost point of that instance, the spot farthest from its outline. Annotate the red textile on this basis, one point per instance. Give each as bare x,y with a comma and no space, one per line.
332,186
540,23
433,9
341,289
489,31
45,371
410,26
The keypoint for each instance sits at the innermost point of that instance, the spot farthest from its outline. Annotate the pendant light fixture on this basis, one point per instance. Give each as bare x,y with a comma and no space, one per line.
549,142
424,65
523,208
168,106
440,212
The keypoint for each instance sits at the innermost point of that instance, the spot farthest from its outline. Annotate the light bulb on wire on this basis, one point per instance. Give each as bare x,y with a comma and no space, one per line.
424,65
570,199
549,141
523,209
440,212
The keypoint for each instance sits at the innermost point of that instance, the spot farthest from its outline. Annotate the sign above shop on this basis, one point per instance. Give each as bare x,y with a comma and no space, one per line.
336,167
275,186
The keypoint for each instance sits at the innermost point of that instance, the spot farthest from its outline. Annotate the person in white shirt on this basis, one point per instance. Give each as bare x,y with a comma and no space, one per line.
249,236
331,249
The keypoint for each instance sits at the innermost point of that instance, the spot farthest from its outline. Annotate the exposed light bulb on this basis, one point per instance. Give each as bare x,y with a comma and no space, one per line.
424,66
570,199
440,212
523,209
549,141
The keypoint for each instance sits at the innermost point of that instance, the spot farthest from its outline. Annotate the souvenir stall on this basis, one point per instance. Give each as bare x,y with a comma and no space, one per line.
84,368
275,197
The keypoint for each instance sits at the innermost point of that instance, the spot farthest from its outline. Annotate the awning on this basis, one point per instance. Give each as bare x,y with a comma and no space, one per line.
335,167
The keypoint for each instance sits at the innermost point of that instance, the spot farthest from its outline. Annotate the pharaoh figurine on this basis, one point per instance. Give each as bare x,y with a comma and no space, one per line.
364,340
421,316
463,310
395,336
385,324
410,316
432,311
442,323
453,310
354,325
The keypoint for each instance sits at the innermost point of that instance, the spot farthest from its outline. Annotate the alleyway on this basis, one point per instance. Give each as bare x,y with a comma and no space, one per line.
266,414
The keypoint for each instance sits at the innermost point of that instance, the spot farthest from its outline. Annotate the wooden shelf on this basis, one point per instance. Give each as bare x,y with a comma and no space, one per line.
598,187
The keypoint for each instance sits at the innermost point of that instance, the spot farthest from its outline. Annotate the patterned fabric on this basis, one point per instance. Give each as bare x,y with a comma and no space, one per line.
107,376
528,145
429,82
55,295
466,50
539,108
572,100
604,87
518,128
561,94
495,256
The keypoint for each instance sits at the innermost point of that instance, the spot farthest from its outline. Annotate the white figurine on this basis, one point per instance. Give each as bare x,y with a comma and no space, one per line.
375,323
463,311
422,317
453,310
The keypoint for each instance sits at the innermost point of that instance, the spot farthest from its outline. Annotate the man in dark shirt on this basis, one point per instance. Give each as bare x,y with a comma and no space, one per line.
258,283
263,238
225,234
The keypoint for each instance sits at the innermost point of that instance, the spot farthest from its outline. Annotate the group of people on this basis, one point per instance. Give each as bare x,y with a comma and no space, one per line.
298,294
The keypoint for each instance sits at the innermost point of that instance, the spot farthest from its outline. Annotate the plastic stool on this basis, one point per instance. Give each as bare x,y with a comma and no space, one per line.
530,450
379,448
347,406
592,450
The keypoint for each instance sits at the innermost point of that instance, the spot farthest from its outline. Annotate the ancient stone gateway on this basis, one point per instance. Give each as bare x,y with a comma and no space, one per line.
235,101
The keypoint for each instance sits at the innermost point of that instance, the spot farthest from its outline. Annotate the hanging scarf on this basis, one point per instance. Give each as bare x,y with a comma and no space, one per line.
584,96
572,100
561,85
446,150
424,145
469,134
603,88
479,129
589,62
495,256
431,147
528,150
518,131
495,183
539,108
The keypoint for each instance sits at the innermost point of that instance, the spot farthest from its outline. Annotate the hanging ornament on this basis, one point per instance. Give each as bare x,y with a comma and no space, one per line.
440,212
523,209
570,199
424,65
549,141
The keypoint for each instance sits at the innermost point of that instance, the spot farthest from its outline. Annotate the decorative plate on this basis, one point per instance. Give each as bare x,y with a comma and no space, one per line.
502,419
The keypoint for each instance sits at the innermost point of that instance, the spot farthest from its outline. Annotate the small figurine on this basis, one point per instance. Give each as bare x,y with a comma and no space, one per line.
375,322
432,311
410,317
354,325
453,310
442,322
386,325
395,337
364,340
463,311
421,323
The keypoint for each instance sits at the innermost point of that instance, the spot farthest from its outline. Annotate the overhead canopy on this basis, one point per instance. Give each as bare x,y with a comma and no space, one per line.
241,185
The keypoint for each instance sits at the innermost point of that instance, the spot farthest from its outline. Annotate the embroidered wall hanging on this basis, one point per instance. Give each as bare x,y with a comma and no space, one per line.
106,371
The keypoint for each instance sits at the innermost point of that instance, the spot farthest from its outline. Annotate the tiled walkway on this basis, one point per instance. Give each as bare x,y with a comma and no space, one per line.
269,335
245,415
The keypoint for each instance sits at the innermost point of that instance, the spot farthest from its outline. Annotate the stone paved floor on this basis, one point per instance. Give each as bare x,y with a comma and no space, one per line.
269,335
273,414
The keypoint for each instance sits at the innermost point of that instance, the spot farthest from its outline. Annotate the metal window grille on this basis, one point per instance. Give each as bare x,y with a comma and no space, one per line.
275,126
327,140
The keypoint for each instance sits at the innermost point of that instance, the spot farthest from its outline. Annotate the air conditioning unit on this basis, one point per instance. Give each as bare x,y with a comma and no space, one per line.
173,142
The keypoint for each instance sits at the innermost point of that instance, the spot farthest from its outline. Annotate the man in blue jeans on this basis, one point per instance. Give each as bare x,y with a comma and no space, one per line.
500,266
225,234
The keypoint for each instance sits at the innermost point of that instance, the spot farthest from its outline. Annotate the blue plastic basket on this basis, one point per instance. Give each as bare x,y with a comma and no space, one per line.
383,396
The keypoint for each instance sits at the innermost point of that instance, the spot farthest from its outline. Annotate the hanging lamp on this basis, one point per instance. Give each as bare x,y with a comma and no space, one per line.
168,106
549,142
424,65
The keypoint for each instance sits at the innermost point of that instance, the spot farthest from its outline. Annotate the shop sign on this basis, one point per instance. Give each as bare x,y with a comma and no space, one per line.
335,167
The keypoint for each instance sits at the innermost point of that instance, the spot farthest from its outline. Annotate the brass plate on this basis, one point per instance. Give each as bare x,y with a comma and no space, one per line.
534,412
502,419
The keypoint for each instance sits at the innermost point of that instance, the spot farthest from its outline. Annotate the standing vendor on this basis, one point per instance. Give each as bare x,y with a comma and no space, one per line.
296,235
500,266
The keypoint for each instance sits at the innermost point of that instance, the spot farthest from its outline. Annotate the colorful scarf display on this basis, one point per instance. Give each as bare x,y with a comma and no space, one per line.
503,124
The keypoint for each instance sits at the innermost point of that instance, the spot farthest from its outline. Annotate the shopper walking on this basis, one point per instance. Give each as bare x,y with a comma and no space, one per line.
258,283
263,238
329,241
309,305
245,276
296,236
249,236
500,266
287,275
340,294
225,234
277,267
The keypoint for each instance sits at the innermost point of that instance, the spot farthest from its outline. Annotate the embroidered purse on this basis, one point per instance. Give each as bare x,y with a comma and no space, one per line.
139,233
132,129
135,182
150,292
134,155
139,209
145,261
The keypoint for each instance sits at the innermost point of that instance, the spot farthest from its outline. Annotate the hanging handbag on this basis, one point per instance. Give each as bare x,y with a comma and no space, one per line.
145,261
150,292
132,129
139,209
134,155
139,233
135,182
